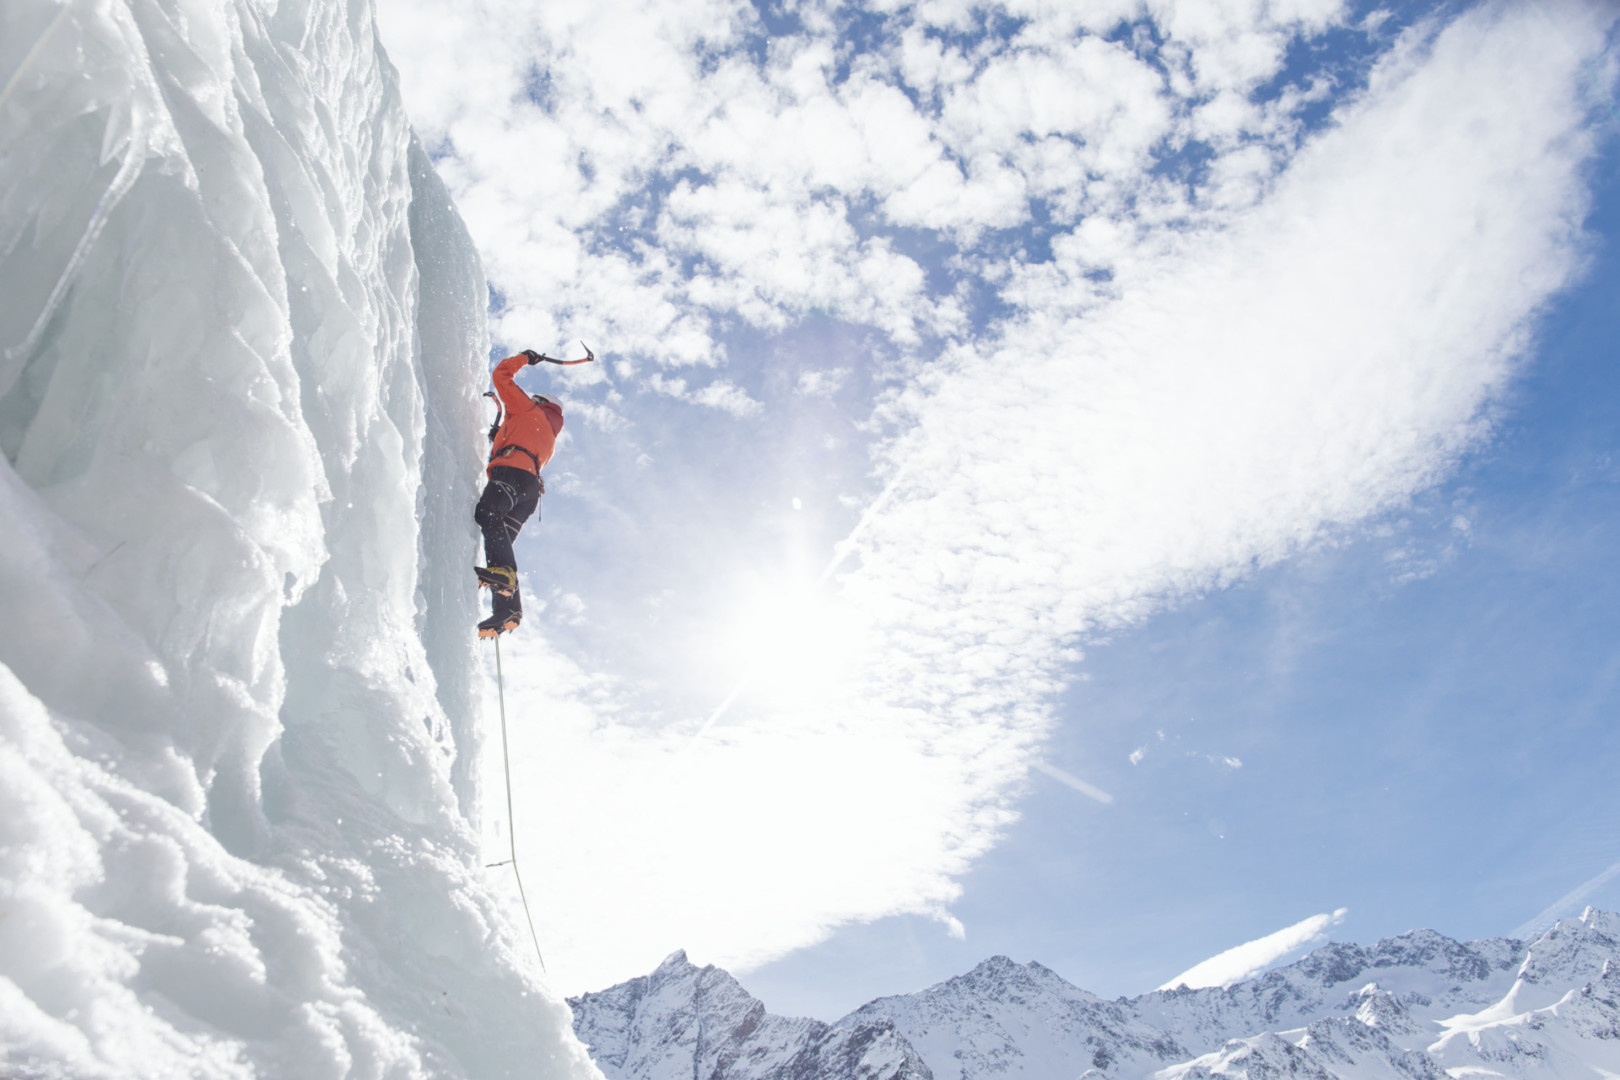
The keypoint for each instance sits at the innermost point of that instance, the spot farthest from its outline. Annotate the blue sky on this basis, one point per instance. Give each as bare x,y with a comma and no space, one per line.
1204,402
1433,752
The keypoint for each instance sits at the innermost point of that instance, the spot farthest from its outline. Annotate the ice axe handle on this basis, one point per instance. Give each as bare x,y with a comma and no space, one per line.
589,356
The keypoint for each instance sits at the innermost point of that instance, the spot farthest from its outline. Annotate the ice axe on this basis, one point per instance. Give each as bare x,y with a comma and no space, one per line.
535,358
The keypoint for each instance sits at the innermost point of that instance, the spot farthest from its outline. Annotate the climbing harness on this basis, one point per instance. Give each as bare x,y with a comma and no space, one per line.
514,448
511,833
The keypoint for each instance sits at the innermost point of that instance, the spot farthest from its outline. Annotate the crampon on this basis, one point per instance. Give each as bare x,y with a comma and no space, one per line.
496,625
503,579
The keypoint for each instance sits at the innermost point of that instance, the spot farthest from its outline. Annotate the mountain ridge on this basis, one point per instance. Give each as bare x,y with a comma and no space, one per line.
1417,1006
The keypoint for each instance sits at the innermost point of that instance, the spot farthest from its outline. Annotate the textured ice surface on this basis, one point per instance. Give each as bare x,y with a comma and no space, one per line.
241,337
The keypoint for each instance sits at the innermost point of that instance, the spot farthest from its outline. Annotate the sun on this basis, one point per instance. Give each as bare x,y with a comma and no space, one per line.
789,643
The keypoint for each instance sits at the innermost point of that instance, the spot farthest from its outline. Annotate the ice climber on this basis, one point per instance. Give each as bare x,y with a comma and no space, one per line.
523,438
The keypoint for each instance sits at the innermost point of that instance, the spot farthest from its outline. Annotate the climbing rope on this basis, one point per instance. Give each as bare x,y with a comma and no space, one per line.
511,831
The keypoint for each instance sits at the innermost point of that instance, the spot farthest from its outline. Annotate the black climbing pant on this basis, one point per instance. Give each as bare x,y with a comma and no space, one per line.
509,498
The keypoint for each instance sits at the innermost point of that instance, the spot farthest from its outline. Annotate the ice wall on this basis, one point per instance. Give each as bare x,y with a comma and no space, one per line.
241,343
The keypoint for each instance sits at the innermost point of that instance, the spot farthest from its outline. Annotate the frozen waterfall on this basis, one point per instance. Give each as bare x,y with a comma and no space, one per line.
241,344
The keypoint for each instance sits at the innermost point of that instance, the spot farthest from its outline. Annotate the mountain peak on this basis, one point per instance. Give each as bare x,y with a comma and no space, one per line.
996,965
1343,1010
683,1020
675,961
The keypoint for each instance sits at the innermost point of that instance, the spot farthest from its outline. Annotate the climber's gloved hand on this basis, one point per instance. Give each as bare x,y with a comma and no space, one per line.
534,357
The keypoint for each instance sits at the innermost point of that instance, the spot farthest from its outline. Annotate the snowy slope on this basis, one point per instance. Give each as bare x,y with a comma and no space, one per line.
684,1021
1432,975
1416,1007
241,338
1008,1019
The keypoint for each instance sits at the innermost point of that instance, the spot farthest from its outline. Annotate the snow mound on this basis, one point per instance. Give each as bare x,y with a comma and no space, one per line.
241,334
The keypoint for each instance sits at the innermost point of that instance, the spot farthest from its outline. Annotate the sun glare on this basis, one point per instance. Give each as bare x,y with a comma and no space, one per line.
790,644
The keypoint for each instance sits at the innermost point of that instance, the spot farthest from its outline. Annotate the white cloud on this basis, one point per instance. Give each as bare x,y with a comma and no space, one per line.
727,397
739,846
1293,343
564,134
720,394
822,383
1320,359
1255,956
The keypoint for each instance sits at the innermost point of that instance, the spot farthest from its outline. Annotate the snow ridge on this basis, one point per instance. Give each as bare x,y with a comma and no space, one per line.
1420,1006
683,1021
241,344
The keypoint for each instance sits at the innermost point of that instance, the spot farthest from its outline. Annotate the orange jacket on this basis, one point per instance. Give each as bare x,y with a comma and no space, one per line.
527,426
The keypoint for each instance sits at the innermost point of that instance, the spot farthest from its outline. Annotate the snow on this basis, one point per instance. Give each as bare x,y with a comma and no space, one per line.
1415,1007
241,344
684,1021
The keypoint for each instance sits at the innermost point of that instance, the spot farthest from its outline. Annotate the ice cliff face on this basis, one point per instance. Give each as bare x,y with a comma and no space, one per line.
240,346
1417,1007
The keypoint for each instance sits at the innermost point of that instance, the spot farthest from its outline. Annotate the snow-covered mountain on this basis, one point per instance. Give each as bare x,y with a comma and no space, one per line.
241,346
684,1021
1415,1007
